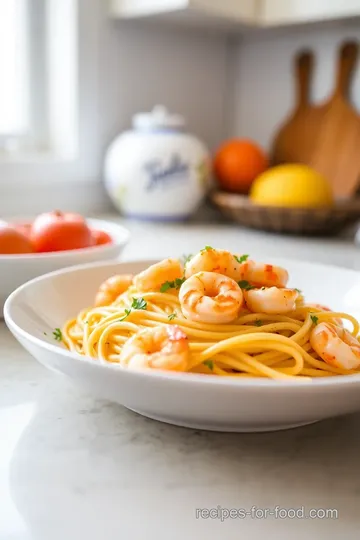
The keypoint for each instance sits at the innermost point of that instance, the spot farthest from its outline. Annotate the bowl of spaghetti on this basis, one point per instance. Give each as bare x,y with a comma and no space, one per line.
219,342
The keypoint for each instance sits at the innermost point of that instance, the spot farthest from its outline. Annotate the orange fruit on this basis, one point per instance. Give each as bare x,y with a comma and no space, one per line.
237,163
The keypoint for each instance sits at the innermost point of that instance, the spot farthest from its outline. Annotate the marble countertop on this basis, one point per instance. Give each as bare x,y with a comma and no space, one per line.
74,467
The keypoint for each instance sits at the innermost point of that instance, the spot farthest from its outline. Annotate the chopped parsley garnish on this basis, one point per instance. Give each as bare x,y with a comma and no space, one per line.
127,313
258,323
172,316
206,248
242,258
298,290
263,288
245,285
176,284
209,364
137,303
45,334
314,319
186,258
166,286
57,334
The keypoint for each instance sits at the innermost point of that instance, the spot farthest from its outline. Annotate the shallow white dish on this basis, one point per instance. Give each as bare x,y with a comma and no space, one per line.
197,401
18,269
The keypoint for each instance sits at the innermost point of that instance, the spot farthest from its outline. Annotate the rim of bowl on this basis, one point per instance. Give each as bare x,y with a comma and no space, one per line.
172,377
120,238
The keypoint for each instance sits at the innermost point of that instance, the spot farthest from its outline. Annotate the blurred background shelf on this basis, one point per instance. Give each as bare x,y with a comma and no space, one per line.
288,12
235,15
224,15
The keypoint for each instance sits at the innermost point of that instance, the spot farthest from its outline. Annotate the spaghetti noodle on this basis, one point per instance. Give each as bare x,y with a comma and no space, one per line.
270,345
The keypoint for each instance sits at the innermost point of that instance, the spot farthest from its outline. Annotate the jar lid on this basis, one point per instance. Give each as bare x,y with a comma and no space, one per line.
158,118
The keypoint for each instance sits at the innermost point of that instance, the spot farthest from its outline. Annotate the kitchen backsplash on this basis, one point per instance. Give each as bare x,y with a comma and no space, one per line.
263,82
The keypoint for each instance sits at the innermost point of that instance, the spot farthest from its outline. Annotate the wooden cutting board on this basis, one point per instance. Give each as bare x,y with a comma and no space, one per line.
294,141
336,150
326,137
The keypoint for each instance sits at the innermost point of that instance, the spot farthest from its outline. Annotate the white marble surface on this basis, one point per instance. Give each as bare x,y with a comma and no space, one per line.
74,467
157,240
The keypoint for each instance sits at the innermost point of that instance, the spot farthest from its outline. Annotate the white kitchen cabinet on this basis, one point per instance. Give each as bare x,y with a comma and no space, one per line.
237,14
282,12
231,11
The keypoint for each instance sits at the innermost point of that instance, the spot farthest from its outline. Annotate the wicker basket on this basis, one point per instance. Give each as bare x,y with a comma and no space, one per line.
305,221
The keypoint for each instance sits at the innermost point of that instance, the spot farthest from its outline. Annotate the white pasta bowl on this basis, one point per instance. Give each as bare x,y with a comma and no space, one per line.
18,269
191,400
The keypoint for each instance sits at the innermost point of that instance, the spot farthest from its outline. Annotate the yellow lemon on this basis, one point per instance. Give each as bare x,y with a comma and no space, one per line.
292,185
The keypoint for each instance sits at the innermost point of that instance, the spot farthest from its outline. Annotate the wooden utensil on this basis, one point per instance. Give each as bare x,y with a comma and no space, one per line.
294,141
336,150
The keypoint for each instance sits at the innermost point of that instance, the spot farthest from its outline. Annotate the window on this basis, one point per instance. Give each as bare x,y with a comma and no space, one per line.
38,78
49,147
14,95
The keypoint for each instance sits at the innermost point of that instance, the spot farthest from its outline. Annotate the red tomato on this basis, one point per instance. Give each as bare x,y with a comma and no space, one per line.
24,227
13,242
58,231
101,237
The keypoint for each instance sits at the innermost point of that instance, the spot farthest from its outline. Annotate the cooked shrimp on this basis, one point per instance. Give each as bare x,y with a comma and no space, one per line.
112,288
164,347
271,300
211,298
153,277
264,275
335,320
336,346
214,260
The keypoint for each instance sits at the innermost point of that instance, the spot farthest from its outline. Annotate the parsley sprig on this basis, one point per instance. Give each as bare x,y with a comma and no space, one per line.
314,319
186,258
258,323
176,284
243,284
137,303
209,364
242,258
172,316
127,313
57,334
206,248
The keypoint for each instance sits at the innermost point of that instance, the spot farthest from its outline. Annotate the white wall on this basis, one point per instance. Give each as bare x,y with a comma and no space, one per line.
264,85
142,67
